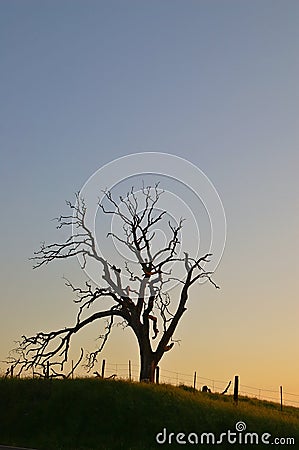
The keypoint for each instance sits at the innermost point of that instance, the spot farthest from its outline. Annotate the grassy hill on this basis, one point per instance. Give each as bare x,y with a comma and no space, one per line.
96,414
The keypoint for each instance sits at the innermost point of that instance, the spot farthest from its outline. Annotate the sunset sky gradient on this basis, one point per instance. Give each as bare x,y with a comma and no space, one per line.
214,82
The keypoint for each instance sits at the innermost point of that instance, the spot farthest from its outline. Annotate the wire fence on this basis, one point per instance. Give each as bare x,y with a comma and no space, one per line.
131,371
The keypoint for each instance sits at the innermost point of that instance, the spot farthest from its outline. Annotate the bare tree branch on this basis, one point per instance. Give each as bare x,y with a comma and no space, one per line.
144,305
36,351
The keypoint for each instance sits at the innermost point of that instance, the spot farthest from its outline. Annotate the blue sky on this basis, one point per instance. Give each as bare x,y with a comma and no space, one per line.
214,82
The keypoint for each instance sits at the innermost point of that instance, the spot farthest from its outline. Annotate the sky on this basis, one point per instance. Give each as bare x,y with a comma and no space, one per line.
83,83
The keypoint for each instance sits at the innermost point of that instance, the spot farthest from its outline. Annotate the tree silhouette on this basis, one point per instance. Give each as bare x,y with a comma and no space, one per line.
139,297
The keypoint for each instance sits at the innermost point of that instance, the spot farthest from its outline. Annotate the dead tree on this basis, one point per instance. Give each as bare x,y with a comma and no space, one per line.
144,305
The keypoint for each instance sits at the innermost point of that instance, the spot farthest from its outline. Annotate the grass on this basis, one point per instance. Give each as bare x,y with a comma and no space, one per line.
92,414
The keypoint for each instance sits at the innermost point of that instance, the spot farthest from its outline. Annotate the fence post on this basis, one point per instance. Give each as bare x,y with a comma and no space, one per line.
72,369
11,372
194,381
103,368
236,389
130,371
157,374
48,370
280,398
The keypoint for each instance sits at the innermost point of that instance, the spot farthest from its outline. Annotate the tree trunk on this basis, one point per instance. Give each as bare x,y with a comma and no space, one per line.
148,366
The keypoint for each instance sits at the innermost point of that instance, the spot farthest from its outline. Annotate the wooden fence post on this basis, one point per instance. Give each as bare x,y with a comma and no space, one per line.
157,374
236,389
11,372
72,369
280,398
48,370
103,368
130,371
194,381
